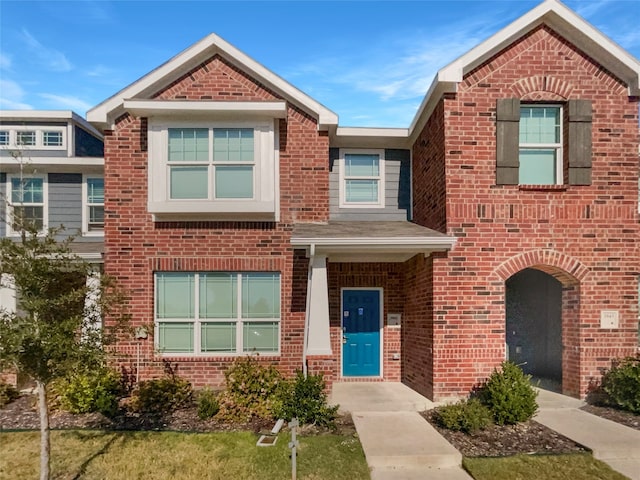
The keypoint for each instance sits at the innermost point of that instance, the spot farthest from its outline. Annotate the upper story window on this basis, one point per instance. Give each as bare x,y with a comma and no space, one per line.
216,169
45,138
27,204
543,145
361,178
224,171
540,145
93,205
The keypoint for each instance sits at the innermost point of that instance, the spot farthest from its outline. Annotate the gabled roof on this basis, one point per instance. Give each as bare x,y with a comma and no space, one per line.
556,16
104,113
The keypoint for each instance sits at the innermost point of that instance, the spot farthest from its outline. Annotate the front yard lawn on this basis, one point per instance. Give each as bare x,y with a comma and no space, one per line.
578,466
95,455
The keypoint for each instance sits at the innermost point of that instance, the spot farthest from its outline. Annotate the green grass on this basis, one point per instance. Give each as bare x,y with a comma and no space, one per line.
100,455
580,466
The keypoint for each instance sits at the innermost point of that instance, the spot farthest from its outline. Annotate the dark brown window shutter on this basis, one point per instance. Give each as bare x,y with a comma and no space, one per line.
579,140
507,141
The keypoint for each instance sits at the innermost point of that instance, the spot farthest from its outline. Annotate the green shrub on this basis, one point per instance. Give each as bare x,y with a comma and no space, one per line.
208,405
467,416
622,384
8,393
92,391
305,399
509,395
250,390
161,395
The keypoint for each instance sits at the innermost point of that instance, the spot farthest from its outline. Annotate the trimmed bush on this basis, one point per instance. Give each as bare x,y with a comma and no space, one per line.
8,393
93,391
305,399
250,390
509,395
208,405
467,416
161,395
622,384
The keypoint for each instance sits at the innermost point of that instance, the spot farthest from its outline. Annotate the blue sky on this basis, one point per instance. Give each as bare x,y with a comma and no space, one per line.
370,62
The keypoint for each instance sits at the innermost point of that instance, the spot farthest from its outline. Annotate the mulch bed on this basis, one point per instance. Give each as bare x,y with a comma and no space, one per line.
619,416
21,414
497,441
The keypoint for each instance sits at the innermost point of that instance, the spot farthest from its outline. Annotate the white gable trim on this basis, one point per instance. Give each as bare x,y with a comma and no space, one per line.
558,17
149,108
104,113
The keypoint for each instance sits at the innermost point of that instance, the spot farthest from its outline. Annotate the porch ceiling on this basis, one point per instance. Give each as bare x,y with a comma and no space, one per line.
369,241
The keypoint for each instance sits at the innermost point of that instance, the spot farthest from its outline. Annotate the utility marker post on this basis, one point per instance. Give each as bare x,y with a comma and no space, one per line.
293,444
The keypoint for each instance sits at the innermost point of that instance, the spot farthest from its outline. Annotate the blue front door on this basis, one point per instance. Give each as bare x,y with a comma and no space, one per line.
361,333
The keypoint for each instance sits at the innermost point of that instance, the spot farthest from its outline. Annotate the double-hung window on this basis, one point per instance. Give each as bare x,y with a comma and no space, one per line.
27,202
26,138
93,214
4,137
217,313
362,179
540,145
211,163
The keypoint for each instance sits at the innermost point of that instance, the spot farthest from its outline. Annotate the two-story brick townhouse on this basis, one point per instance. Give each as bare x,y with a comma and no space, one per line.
51,170
503,223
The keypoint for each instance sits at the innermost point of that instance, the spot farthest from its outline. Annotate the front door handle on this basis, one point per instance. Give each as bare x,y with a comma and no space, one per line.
344,339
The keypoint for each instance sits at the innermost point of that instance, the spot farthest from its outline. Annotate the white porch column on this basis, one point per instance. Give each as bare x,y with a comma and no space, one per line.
7,293
93,317
318,336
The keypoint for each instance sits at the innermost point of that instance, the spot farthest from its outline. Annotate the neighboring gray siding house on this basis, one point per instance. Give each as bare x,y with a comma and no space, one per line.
52,171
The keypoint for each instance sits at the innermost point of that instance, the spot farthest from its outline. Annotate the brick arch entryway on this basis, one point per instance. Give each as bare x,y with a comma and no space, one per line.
542,316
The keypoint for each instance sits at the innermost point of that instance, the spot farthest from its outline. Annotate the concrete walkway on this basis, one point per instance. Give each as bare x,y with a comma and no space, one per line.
614,444
398,443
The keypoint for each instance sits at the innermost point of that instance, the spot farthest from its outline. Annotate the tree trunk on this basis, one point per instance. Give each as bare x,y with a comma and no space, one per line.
45,444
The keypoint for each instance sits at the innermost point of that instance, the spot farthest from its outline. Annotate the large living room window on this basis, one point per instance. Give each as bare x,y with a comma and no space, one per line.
223,170
217,313
540,145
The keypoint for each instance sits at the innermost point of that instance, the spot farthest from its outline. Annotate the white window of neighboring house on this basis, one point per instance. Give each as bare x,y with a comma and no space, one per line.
44,138
93,205
27,202
217,313
217,167
540,145
361,178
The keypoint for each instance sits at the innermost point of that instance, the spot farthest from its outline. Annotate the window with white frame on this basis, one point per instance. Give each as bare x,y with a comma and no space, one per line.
213,168
217,313
93,205
362,178
225,171
540,145
27,202
45,138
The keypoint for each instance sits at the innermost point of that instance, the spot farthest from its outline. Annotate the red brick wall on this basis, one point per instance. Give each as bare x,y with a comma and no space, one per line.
135,246
585,235
389,277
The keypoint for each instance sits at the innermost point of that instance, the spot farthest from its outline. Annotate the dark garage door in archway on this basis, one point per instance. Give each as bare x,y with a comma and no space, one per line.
534,323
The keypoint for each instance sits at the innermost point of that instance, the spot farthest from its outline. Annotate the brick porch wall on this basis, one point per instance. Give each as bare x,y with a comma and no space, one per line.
135,246
504,229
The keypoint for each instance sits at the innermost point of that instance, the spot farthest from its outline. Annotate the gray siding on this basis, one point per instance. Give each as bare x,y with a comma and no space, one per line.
65,201
397,189
3,204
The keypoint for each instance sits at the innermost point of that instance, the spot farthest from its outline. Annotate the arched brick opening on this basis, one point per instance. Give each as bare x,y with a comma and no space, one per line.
569,272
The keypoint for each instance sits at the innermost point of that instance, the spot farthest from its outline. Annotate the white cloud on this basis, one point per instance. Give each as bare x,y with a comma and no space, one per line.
50,58
99,71
66,102
588,9
5,61
12,96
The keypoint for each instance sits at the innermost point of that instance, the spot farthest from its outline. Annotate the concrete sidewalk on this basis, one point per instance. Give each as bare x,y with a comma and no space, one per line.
614,444
399,444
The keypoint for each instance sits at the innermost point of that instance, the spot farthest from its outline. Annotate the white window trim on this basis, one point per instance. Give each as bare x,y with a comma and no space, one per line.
558,147
45,203
39,131
197,322
85,208
342,178
266,181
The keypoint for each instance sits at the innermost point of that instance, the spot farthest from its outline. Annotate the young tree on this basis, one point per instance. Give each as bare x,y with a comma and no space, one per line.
57,327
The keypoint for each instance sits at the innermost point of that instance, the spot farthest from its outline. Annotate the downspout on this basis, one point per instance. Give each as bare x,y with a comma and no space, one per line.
312,252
